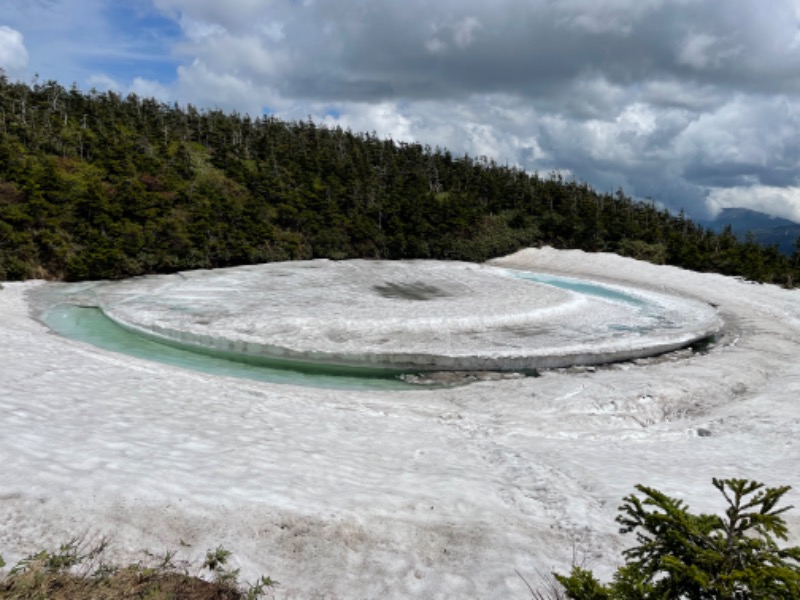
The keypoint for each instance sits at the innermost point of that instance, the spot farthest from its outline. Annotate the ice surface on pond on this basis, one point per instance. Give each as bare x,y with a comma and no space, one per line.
377,494
419,314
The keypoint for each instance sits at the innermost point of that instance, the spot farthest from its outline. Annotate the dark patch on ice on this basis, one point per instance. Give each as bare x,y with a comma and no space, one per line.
415,290
455,378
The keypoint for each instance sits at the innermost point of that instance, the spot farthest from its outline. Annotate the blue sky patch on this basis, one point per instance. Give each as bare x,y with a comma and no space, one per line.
144,39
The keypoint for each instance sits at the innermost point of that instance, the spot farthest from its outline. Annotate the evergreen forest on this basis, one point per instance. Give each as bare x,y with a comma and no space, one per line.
100,186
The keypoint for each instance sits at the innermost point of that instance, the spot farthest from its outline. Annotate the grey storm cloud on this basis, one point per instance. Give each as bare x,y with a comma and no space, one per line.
539,50
694,103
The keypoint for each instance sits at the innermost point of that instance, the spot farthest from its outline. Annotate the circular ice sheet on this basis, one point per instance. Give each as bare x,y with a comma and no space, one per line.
410,314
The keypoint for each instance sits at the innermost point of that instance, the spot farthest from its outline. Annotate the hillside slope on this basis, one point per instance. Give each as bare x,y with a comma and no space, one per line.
96,186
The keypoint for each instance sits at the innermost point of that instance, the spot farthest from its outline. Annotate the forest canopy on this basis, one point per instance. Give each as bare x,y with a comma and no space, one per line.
100,186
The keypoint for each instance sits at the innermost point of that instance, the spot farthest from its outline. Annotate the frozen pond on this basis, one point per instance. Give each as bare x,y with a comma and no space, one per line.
320,318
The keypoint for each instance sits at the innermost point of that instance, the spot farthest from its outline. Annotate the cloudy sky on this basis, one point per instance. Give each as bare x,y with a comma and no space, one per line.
693,103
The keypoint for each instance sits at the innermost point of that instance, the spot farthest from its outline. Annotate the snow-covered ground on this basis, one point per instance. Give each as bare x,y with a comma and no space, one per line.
378,494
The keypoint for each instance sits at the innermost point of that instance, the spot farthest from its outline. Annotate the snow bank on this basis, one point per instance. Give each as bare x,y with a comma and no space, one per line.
434,494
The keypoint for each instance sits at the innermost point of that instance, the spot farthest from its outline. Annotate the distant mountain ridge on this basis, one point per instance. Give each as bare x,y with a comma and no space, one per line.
766,229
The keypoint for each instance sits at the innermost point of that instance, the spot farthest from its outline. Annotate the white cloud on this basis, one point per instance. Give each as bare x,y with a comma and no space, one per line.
616,17
204,86
232,15
198,31
497,127
435,45
696,50
448,34
238,55
464,31
745,139
273,31
385,118
782,202
13,54
104,83
146,88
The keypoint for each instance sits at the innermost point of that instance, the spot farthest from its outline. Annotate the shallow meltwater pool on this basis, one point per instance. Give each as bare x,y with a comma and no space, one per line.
89,324
652,317
356,324
588,288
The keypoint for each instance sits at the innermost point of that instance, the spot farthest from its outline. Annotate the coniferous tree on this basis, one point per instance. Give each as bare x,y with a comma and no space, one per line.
679,554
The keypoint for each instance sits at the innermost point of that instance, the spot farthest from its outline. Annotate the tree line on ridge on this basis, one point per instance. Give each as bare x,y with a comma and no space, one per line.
100,186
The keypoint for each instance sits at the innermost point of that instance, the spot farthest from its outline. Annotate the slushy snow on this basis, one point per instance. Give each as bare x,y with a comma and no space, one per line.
356,494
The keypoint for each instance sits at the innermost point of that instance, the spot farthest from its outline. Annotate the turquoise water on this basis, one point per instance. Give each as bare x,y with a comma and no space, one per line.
91,325
583,287
646,310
